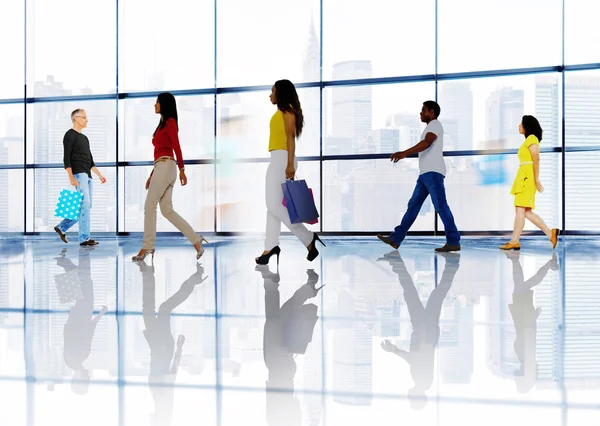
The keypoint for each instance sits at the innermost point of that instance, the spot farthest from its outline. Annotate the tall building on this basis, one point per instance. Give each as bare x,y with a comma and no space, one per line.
4,201
504,110
456,101
352,105
381,140
582,120
409,127
311,102
547,97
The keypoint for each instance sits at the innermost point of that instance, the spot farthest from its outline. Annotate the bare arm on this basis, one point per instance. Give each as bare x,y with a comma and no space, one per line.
535,154
289,120
420,147
423,145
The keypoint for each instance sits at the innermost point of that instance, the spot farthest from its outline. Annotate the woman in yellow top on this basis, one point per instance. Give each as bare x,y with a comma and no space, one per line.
527,183
286,125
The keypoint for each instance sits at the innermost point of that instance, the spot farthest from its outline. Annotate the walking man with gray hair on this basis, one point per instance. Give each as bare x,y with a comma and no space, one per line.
79,163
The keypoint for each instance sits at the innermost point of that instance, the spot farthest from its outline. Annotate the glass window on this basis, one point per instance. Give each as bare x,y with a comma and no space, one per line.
47,185
478,191
48,122
29,197
498,34
389,38
241,196
12,49
11,134
194,202
373,119
582,191
71,48
581,27
582,129
261,42
582,109
13,201
357,195
243,130
166,46
137,122
485,113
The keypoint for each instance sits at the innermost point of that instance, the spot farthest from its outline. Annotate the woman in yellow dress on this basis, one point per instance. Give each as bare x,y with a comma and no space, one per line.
527,183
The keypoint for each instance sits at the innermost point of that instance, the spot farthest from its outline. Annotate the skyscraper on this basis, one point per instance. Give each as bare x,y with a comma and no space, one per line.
352,105
547,95
4,225
310,100
582,119
409,127
504,109
456,101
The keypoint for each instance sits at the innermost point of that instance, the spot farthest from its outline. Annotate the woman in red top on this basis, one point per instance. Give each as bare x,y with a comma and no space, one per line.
163,177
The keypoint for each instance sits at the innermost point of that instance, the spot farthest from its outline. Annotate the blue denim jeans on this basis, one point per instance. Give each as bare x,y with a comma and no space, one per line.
431,183
85,187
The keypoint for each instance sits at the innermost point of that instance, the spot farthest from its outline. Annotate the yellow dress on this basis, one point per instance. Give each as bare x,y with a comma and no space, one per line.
277,135
524,188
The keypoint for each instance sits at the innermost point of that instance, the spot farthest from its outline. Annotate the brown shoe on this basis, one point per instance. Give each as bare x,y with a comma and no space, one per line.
510,246
61,234
388,241
554,237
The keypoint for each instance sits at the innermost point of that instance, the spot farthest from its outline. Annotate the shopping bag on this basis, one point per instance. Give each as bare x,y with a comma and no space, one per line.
299,328
68,286
69,204
299,201
312,222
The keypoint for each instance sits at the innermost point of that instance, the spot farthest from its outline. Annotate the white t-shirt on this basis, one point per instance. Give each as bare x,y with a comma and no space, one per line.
432,159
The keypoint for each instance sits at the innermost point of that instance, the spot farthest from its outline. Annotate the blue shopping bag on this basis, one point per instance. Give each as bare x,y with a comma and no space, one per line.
69,204
299,201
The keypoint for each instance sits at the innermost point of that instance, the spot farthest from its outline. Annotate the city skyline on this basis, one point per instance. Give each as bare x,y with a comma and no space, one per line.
361,119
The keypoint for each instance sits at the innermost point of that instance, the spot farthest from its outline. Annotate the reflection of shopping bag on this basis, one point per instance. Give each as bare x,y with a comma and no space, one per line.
299,328
68,287
299,201
69,204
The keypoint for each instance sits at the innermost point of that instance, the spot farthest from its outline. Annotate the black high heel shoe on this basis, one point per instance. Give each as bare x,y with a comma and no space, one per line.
313,252
264,258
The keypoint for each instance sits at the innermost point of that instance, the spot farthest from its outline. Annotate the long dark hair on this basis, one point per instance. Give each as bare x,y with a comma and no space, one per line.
531,125
287,101
168,109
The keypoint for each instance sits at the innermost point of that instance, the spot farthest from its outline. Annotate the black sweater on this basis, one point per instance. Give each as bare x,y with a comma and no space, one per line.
77,153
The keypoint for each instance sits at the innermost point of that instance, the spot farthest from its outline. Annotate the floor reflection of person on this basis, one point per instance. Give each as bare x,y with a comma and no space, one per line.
164,356
525,315
81,325
288,331
425,323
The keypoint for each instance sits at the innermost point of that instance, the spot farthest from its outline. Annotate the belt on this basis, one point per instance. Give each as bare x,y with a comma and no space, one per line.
164,158
526,162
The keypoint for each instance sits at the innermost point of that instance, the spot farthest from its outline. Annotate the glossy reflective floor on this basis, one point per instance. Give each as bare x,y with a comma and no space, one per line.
394,337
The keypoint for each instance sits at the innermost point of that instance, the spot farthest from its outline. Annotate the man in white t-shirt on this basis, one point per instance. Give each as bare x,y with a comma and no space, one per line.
432,171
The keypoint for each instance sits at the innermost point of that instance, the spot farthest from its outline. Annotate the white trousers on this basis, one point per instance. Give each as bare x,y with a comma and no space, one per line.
276,212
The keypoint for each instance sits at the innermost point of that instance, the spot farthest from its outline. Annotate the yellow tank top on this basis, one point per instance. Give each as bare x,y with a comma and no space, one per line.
277,135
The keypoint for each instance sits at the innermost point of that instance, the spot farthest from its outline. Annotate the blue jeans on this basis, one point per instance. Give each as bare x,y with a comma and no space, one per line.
85,187
431,183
